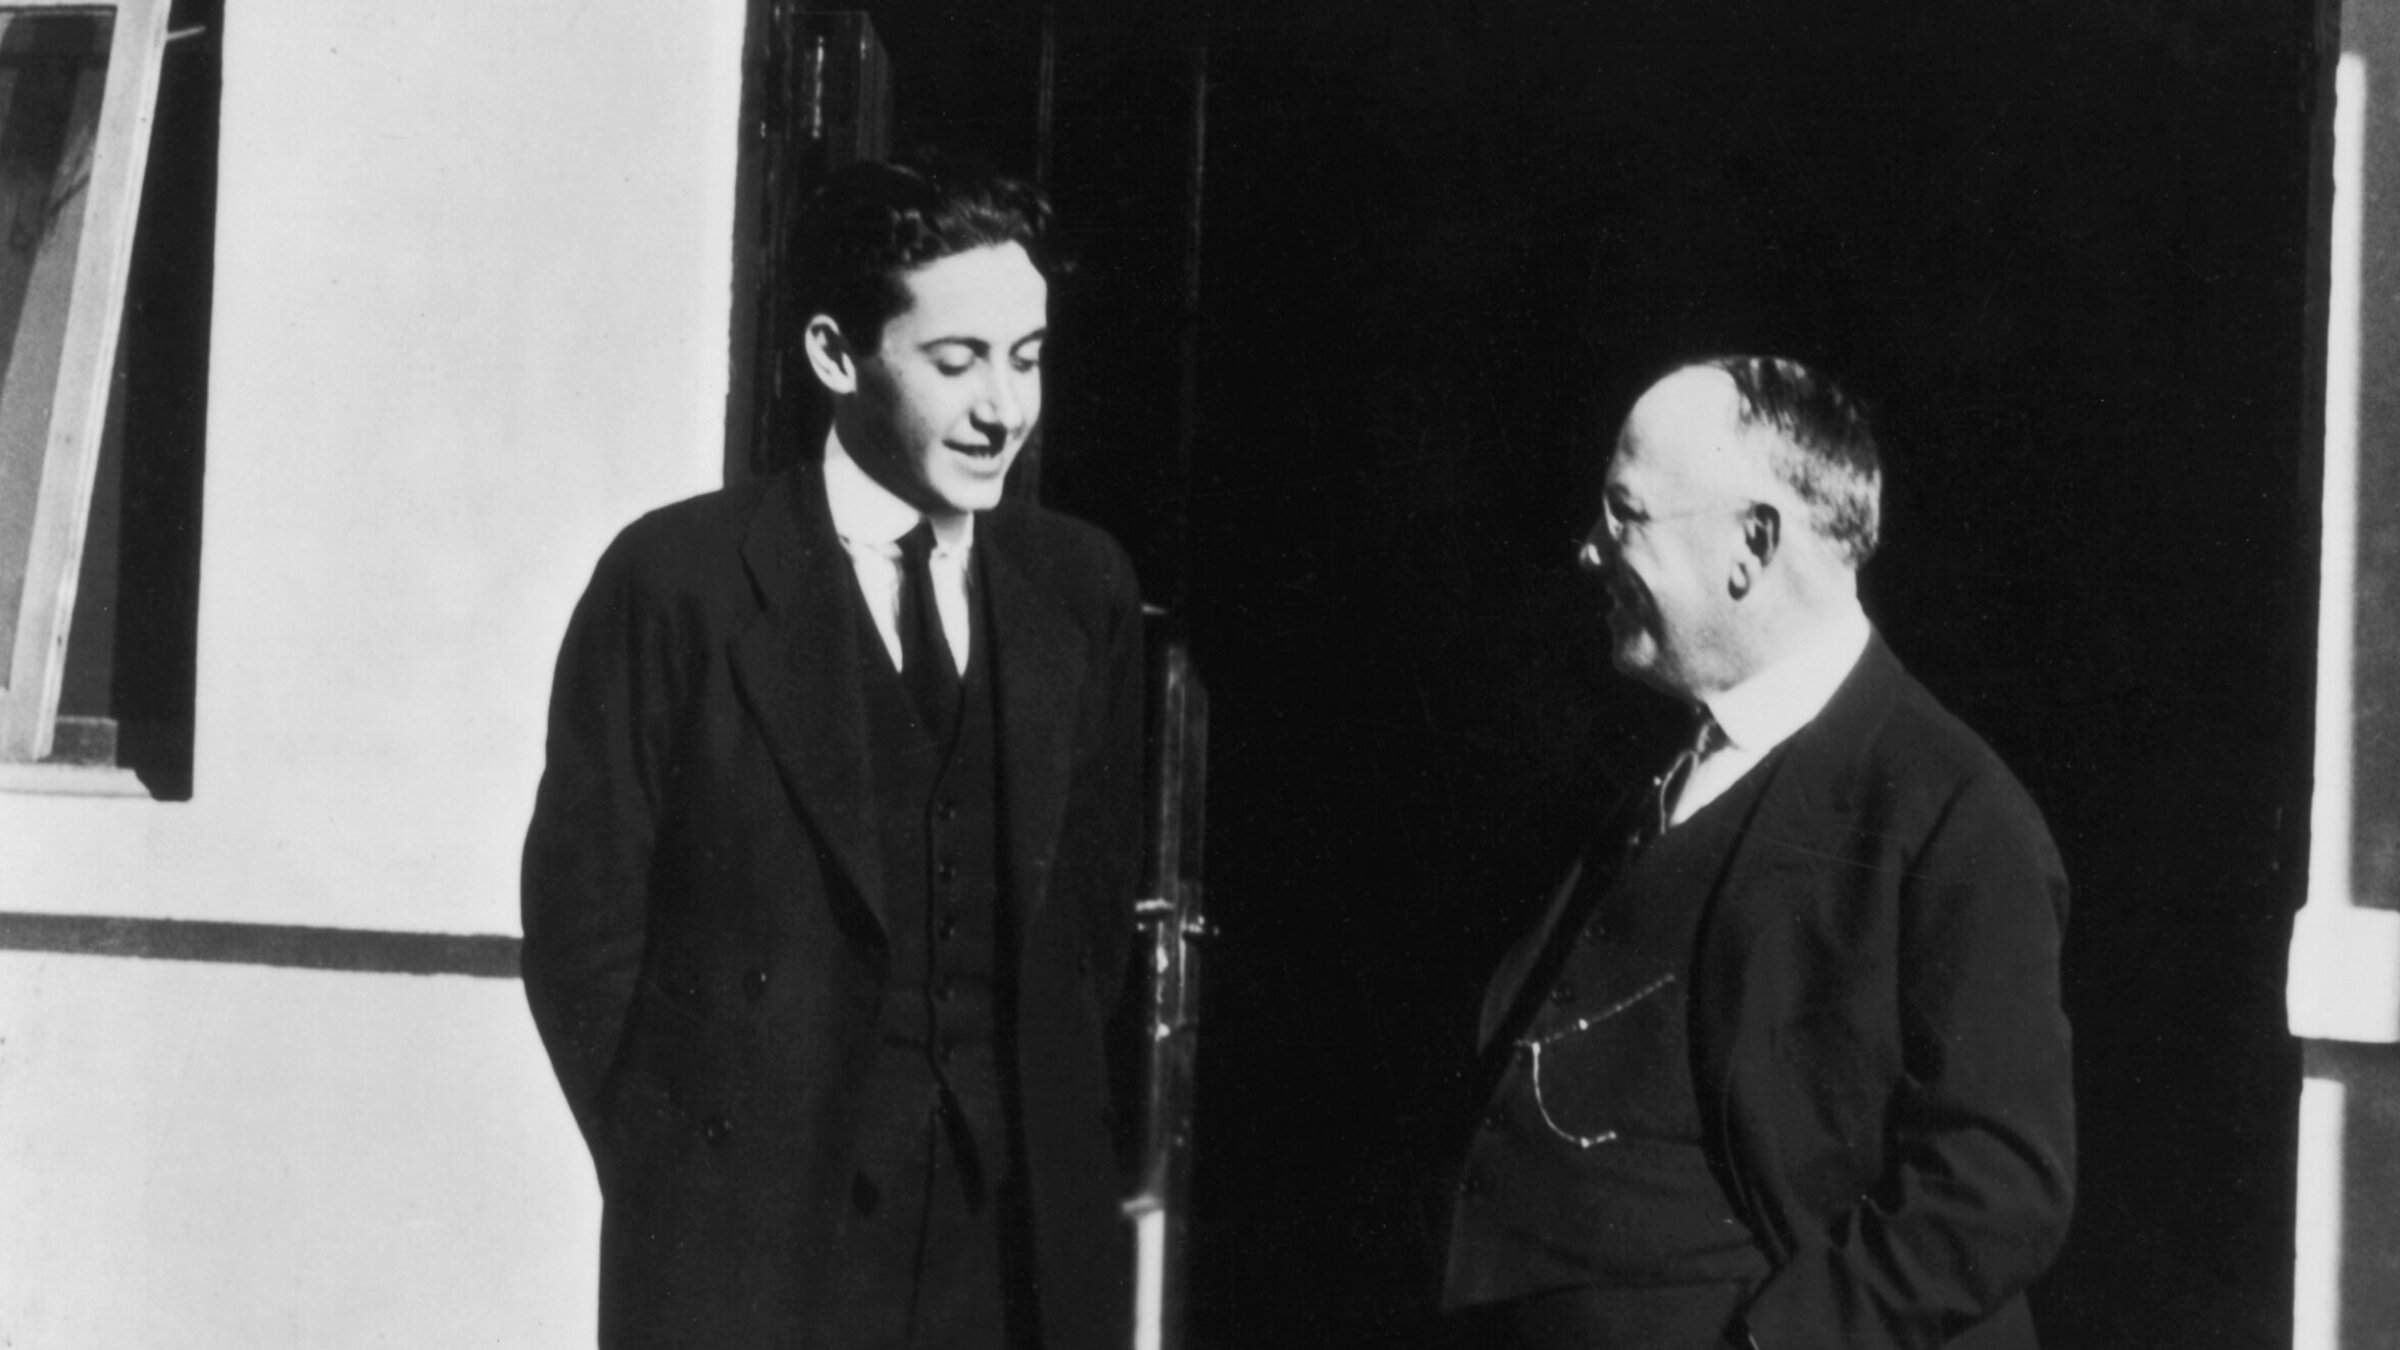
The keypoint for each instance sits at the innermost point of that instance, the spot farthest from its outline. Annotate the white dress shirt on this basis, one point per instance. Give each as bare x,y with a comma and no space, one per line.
1763,711
870,521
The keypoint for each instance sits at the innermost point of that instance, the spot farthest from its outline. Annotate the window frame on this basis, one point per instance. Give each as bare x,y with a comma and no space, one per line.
79,402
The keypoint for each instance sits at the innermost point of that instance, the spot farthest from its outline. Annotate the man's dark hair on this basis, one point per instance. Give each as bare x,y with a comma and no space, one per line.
872,223
1824,449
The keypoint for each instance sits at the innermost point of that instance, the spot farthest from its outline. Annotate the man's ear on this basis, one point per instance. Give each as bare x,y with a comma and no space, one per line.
829,355
1762,532
1762,539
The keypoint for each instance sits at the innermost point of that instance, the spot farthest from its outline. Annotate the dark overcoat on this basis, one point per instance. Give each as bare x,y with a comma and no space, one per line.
1882,1062
705,911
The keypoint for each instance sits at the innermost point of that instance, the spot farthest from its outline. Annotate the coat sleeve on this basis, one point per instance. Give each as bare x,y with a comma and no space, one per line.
1977,1181
596,820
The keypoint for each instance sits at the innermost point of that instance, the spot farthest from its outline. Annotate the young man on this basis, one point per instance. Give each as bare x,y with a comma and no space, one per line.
1784,1067
828,889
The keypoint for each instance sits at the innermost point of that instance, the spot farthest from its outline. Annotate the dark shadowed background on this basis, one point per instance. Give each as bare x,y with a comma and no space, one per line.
2063,247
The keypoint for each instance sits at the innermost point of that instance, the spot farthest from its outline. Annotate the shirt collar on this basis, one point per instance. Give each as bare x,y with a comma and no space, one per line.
868,514
1763,711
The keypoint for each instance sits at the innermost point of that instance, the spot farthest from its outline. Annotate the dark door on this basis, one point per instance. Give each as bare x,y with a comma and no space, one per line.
2066,248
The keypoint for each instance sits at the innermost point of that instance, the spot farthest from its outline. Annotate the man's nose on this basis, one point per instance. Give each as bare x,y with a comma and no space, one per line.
1001,410
1598,552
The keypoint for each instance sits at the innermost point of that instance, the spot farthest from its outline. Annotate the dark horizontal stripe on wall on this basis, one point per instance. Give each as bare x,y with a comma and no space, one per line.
264,944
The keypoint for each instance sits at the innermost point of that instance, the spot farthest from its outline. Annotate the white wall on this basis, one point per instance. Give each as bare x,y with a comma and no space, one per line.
225,1156
470,318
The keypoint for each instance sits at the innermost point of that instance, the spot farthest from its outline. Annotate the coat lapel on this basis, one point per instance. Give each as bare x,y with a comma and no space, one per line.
797,668
1812,790
1038,662
1804,809
1508,983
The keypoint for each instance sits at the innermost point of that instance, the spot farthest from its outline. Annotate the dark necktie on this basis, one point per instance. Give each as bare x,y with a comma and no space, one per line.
1705,738
926,665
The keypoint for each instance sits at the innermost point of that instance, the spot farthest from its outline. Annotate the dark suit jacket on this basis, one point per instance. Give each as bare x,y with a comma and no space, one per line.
705,939
1882,1062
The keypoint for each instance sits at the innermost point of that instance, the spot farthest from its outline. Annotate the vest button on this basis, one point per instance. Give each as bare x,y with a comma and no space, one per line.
716,1129
1596,930
945,989
1562,992
754,983
946,811
945,871
1496,1118
945,1051
947,928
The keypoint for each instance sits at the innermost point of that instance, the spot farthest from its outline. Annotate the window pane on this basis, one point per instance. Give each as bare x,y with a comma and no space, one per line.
53,69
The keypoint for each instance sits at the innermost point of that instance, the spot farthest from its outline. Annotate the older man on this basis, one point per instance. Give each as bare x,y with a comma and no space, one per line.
1783,1065
828,890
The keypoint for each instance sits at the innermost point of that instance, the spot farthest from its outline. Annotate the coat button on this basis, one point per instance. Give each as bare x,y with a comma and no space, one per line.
945,871
1474,1187
716,1129
1496,1118
1595,931
754,983
1562,992
946,812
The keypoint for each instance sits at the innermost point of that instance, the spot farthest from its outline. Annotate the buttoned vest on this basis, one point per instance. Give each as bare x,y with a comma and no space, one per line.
938,822
1589,1166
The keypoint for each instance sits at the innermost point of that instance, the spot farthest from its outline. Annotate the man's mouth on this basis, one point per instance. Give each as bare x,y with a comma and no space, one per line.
984,450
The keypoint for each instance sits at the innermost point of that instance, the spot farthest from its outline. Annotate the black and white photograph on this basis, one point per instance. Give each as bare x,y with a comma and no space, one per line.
1130,675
